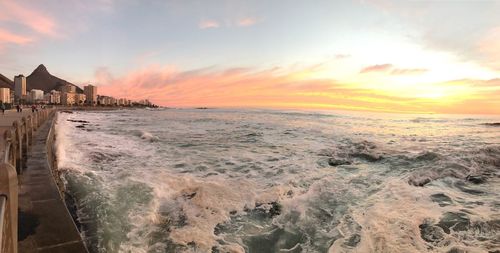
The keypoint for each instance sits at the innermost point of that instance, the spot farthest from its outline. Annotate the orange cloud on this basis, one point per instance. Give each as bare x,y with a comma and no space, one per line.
408,71
277,88
207,24
377,68
249,21
389,68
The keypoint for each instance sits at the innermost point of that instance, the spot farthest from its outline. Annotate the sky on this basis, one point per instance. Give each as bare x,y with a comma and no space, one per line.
370,55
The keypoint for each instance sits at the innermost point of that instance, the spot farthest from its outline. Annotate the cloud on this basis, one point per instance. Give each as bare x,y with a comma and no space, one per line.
249,21
7,37
377,68
207,24
13,11
489,46
408,71
275,87
242,22
342,56
389,68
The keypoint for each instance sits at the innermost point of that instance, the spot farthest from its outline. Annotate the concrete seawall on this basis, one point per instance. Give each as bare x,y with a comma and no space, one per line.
45,223
30,187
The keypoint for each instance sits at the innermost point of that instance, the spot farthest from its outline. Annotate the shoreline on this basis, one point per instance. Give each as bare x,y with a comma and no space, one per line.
47,221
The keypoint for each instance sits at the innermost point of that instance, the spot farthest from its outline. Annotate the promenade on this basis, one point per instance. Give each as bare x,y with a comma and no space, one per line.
44,223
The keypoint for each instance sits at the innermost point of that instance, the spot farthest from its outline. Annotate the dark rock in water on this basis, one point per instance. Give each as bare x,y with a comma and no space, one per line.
463,187
431,233
353,241
427,156
456,250
368,156
454,221
441,199
189,195
80,126
418,181
337,162
78,121
495,124
476,179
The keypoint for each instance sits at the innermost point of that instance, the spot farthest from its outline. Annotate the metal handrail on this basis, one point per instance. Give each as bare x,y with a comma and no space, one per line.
3,205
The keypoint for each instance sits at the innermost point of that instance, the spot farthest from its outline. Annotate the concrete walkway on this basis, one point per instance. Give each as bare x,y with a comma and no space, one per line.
45,224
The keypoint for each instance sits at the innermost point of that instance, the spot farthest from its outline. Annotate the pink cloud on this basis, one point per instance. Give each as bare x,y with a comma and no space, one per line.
8,37
207,24
408,71
389,68
37,21
489,47
247,87
249,21
377,68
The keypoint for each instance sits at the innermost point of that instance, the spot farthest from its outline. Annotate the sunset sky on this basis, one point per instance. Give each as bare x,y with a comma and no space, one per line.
377,55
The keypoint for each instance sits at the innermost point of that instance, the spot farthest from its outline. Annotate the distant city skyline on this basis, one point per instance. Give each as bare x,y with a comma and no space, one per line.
374,55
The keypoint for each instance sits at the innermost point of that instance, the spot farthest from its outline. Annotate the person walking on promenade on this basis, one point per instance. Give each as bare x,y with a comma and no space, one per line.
33,108
18,108
2,106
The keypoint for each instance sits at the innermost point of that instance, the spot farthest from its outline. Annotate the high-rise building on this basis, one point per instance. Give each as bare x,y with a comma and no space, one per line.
90,92
68,98
36,95
20,86
5,95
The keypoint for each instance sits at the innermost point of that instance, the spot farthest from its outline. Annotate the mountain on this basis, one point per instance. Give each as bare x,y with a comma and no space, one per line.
6,82
41,79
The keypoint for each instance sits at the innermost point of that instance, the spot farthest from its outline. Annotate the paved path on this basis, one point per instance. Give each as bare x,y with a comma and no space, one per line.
45,224
8,118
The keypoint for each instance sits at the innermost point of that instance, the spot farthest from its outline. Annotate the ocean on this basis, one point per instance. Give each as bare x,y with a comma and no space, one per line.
220,180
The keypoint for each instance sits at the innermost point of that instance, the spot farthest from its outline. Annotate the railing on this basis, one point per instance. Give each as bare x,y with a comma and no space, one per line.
3,206
16,141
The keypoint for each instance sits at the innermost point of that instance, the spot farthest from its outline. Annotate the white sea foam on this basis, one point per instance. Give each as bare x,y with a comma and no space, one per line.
240,181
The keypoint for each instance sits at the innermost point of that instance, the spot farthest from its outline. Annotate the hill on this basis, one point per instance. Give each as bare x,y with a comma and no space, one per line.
41,79
6,82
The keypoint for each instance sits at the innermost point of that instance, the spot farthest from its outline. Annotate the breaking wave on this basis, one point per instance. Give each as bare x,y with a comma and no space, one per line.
271,181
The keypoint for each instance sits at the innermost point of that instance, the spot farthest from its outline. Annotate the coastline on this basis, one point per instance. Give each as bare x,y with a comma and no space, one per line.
46,222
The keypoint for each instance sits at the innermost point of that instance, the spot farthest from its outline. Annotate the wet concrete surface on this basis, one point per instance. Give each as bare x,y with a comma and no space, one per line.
45,225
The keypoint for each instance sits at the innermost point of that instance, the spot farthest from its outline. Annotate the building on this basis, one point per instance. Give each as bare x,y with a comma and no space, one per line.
36,95
54,97
90,92
80,98
20,86
68,88
68,98
5,95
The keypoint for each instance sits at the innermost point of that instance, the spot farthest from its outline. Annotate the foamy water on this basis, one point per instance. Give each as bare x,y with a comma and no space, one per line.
270,181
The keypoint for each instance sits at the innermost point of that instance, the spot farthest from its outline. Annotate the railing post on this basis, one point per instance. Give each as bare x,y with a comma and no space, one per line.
17,146
8,188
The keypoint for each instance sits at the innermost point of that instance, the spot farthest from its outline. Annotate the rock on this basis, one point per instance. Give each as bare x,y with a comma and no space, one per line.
353,241
495,124
476,179
337,162
431,233
371,157
454,221
441,199
80,126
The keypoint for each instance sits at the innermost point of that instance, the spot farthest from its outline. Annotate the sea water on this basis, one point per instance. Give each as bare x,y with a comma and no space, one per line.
215,180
